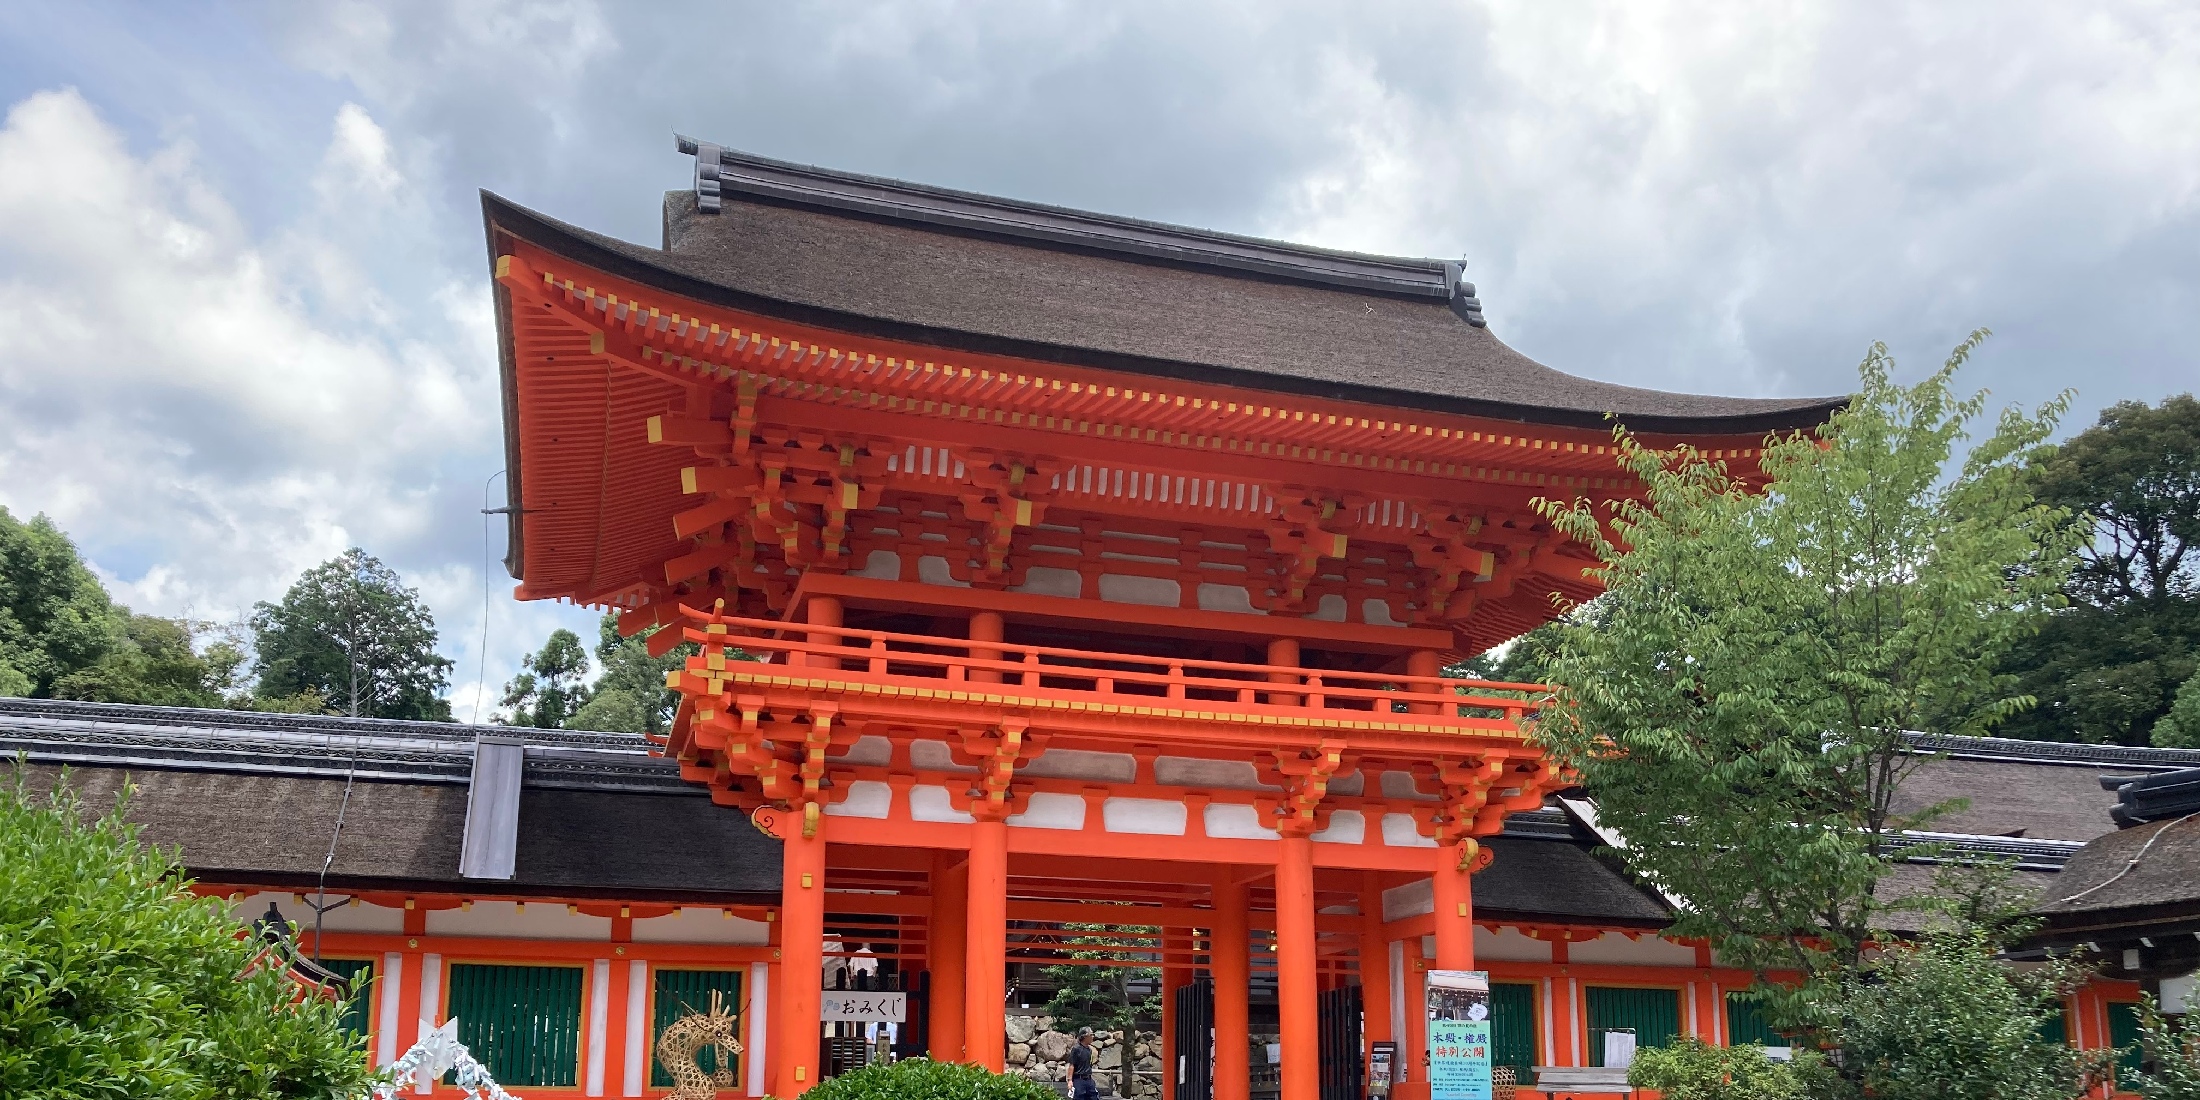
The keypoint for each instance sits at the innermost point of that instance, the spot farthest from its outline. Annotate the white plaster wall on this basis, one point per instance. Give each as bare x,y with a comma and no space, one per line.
1051,811
1351,786
1149,591
1109,767
880,565
1046,580
1400,831
1187,771
1509,945
1398,784
701,926
1328,609
1345,827
1411,900
866,798
543,921
1234,822
870,750
361,917
1227,597
934,756
932,569
1150,816
1616,949
1377,613
930,803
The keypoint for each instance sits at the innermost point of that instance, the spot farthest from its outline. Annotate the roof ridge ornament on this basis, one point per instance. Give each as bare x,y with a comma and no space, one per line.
1463,301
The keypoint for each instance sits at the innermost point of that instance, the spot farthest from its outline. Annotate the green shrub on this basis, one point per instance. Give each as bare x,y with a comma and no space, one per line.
1690,1069
922,1079
116,981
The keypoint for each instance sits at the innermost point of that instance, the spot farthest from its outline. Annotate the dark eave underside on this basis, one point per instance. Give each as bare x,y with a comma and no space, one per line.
926,284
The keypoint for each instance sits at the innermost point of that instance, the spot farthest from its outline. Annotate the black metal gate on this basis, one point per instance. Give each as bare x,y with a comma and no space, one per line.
1195,1042
1341,1068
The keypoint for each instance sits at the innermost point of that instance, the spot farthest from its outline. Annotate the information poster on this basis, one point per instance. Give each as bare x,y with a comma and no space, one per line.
1459,1034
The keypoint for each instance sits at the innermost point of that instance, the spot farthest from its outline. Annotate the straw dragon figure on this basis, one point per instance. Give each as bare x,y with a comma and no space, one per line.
680,1043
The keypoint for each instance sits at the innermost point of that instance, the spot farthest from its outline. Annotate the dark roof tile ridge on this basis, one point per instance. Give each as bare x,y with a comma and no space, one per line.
906,201
241,725
2014,750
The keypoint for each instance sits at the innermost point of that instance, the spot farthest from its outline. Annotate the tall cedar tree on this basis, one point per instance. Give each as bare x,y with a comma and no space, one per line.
351,633
2108,668
116,980
1737,707
548,689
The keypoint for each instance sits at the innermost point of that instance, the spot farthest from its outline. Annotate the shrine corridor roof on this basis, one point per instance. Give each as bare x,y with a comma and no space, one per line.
976,273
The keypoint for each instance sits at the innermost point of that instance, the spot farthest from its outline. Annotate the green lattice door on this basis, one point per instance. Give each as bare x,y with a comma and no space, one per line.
523,1022
360,973
2123,1031
1745,1023
1654,1014
680,992
1512,1028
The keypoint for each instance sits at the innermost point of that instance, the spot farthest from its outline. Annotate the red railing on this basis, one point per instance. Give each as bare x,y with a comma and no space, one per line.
877,656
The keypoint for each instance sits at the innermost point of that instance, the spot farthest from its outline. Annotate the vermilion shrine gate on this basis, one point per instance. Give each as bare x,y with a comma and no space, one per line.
1054,568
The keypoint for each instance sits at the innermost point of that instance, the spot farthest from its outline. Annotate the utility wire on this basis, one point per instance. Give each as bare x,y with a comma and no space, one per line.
481,654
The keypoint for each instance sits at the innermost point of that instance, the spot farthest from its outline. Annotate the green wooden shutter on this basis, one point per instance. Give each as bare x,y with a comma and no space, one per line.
1745,1023
2123,1031
1512,1028
680,992
2056,1028
360,973
523,1022
1655,1014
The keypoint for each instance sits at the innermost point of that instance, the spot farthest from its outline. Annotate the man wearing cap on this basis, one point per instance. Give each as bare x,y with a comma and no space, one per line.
1080,1068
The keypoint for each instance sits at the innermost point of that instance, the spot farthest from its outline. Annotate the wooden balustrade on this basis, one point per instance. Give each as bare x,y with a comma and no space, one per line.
881,656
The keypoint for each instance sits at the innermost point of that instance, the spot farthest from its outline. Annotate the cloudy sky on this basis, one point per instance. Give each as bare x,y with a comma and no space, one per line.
244,315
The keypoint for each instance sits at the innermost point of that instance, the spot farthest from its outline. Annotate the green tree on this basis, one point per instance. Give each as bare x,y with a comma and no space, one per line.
2170,1055
2180,728
1738,705
548,689
1944,1019
2108,667
352,634
115,981
155,662
55,616
1096,992
630,696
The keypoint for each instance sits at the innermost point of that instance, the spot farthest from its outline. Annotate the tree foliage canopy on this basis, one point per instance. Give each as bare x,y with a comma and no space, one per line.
548,689
350,633
55,616
630,696
115,981
2108,668
1738,705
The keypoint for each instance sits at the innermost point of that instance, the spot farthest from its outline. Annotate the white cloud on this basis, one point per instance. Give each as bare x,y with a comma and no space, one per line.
210,413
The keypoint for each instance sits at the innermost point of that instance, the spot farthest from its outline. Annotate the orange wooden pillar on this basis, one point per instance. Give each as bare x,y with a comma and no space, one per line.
823,611
1176,973
1231,964
1374,966
986,626
985,1023
802,957
1455,906
946,948
1297,992
1413,1045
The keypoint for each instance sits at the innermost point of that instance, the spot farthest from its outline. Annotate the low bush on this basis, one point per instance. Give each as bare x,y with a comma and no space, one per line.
1692,1070
923,1079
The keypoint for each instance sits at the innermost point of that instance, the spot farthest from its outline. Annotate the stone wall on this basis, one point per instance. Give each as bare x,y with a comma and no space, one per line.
1038,1051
